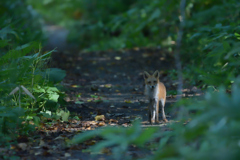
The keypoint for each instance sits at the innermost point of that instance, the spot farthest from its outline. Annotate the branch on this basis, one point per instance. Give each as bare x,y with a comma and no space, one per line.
178,48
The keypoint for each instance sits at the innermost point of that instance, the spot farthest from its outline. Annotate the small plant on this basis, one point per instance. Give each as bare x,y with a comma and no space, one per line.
58,115
25,91
24,73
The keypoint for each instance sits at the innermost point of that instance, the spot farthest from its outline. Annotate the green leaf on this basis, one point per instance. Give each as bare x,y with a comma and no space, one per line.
63,114
47,114
5,31
56,74
31,56
2,108
20,51
235,49
226,46
163,141
100,145
54,97
46,55
51,89
7,115
36,120
145,136
3,43
195,35
155,15
84,136
236,34
79,102
39,89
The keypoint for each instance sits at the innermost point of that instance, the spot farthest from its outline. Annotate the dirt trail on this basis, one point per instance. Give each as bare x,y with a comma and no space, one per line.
106,83
115,78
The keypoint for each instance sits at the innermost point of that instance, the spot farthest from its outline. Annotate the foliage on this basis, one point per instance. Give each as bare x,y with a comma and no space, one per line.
102,25
9,122
24,66
211,33
18,22
210,57
86,23
31,73
211,45
57,114
73,10
212,132
118,139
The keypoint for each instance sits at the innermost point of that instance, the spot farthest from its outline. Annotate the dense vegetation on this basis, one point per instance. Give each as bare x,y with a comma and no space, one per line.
27,86
211,32
209,54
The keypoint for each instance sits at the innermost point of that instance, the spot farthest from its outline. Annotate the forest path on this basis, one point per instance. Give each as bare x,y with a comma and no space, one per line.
111,83
108,84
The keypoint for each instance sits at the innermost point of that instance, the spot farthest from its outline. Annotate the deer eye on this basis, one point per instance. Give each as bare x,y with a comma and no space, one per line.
149,82
154,81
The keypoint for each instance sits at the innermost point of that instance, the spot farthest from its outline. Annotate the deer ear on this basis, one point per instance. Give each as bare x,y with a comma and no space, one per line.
145,75
156,74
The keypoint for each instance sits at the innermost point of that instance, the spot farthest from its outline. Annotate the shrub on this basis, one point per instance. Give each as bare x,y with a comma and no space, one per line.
23,66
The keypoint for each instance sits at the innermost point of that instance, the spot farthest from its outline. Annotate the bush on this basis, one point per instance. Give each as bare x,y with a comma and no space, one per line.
23,69
19,24
210,51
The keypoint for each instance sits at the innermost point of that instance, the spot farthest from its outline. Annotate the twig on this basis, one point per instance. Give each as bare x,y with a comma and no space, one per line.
19,98
178,48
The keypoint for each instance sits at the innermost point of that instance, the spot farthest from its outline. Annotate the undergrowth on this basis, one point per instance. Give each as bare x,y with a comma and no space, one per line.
25,73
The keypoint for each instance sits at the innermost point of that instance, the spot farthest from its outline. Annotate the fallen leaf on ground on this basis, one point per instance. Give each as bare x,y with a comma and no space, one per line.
108,85
128,101
42,143
90,143
79,102
106,151
23,146
136,109
75,86
101,124
113,120
118,58
67,155
89,128
100,118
